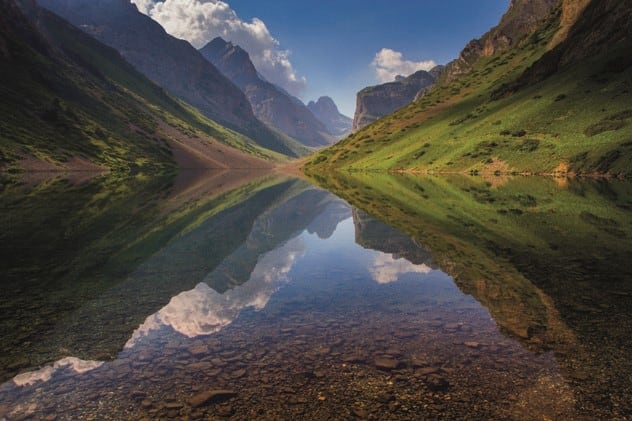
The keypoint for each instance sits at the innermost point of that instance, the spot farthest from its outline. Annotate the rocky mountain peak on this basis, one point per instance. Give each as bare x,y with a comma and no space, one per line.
326,110
521,19
270,103
324,106
172,63
232,60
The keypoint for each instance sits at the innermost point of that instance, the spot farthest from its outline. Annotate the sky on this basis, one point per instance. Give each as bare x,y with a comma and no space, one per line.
313,48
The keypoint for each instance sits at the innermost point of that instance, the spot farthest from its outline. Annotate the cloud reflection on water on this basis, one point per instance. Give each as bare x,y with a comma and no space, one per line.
386,268
46,373
203,311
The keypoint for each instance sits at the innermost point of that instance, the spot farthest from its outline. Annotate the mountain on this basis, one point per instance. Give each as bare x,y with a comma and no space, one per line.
325,110
71,102
170,62
521,19
585,30
270,103
544,92
374,102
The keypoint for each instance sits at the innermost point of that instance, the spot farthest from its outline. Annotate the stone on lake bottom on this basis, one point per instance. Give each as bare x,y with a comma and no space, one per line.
354,359
199,350
173,405
211,396
385,363
360,413
437,383
426,371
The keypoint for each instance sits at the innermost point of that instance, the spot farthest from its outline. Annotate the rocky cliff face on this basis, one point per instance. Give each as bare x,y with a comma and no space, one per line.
172,63
377,101
326,111
587,27
521,19
270,103
571,10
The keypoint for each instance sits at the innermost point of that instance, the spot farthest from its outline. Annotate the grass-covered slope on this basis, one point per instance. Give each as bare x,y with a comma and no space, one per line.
509,113
69,101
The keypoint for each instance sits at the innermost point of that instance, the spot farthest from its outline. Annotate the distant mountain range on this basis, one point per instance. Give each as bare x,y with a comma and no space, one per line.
116,91
325,110
70,102
270,103
172,63
546,91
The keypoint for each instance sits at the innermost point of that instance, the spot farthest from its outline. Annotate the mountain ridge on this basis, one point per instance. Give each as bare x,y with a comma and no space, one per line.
73,103
326,110
520,20
553,101
270,103
170,62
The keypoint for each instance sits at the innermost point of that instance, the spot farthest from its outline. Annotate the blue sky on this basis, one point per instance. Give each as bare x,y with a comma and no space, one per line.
332,44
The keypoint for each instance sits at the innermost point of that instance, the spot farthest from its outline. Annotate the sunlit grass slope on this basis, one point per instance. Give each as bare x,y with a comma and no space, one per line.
577,120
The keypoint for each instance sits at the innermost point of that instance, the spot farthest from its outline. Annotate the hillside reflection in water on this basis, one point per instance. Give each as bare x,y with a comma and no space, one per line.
301,305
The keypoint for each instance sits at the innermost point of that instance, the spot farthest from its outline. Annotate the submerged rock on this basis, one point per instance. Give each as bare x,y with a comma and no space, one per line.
211,396
385,363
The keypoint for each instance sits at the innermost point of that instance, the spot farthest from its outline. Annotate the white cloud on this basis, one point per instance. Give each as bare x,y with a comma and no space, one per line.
199,21
389,64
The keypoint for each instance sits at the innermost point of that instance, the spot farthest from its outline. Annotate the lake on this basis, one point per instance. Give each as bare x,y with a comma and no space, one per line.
250,295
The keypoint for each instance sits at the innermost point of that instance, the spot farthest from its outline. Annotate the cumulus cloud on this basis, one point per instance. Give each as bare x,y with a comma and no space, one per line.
389,64
199,21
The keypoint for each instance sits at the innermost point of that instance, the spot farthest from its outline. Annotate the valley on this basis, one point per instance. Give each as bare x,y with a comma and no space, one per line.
196,223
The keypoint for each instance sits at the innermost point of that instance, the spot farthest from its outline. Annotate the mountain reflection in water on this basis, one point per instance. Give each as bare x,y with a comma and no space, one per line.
307,306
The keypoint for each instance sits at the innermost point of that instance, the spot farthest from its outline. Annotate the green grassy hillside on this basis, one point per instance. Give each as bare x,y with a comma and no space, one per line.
578,119
67,97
